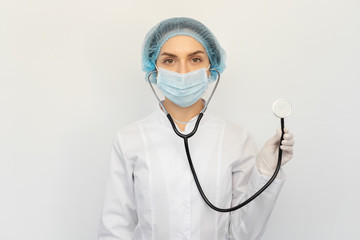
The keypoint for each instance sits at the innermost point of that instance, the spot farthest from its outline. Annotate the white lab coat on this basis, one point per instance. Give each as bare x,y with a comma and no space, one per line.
151,193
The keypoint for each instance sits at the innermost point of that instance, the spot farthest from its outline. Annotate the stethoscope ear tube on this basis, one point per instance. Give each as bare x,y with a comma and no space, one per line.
185,136
186,143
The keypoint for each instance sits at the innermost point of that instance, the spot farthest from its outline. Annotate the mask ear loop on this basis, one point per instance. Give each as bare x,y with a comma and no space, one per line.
213,91
162,106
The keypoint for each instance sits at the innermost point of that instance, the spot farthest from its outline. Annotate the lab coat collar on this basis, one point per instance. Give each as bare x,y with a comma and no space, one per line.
164,121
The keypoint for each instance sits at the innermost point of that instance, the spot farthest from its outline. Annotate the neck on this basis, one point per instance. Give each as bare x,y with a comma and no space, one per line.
183,114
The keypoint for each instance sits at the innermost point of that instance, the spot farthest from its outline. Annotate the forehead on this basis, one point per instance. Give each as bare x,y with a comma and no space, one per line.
181,45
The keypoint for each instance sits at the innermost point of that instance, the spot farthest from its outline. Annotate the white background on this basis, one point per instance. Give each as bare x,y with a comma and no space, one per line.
70,77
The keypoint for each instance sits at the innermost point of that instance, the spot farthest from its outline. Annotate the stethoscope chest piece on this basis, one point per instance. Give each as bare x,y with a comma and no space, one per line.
281,108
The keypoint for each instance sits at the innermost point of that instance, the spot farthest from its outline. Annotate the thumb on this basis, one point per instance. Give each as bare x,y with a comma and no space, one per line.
275,140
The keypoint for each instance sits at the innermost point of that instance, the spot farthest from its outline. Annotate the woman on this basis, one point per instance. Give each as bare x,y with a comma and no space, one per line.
151,192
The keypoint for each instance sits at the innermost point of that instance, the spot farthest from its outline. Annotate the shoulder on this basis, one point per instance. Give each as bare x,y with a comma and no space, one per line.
236,139
230,128
131,135
234,135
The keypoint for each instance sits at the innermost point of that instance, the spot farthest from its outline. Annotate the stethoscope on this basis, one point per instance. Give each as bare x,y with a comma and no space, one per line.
281,108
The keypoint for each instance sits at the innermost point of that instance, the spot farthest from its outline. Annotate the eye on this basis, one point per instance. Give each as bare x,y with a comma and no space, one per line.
168,61
196,60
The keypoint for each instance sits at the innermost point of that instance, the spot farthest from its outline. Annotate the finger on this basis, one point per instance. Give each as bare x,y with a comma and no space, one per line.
287,149
288,136
290,142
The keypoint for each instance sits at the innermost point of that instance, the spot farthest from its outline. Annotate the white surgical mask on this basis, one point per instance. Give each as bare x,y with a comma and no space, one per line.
183,89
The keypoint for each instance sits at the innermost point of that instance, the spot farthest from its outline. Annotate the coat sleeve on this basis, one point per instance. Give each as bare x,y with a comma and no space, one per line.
249,222
119,217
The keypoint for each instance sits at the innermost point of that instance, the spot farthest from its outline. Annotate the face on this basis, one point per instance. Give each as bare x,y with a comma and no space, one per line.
182,54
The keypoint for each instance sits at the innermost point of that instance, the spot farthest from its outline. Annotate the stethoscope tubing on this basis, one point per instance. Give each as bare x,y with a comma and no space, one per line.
206,200
186,137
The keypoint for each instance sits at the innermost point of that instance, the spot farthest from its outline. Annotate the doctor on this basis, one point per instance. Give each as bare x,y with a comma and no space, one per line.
150,192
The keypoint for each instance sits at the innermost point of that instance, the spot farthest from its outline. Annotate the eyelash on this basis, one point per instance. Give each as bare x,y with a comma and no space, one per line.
166,61
197,58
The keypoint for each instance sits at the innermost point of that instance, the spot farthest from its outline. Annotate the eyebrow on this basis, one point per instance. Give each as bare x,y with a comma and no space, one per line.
173,55
168,54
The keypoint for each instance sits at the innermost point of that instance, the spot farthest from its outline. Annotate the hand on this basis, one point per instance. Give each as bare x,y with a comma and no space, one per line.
267,158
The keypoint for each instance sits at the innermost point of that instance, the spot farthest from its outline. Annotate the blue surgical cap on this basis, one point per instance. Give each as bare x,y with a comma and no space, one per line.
172,27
